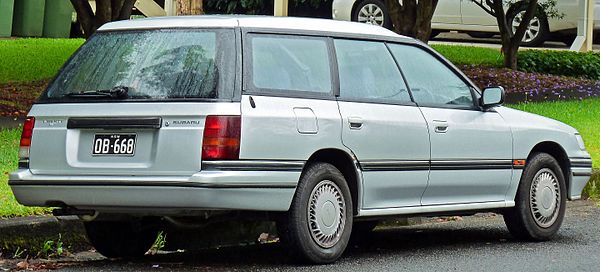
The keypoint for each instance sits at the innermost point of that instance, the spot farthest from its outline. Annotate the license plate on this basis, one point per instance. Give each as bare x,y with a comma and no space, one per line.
118,144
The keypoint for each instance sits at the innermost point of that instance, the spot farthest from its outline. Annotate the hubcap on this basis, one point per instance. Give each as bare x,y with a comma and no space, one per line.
371,14
533,29
326,214
544,198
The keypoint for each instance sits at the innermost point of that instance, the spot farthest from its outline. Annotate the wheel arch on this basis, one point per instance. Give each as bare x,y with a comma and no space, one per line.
558,152
346,163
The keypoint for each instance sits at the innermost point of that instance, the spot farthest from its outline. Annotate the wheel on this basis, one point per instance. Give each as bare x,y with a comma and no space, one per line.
537,32
317,227
372,12
540,202
481,35
121,239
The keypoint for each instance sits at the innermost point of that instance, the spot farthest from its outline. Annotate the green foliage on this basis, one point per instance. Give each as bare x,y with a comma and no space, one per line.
34,59
52,248
565,63
159,243
467,55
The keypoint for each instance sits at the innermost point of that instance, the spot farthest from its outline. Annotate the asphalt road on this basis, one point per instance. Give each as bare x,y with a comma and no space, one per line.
475,243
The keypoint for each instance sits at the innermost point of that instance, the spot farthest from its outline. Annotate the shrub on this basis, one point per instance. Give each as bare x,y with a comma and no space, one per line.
565,63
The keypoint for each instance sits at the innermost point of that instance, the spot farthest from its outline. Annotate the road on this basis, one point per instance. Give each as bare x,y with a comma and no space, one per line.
474,243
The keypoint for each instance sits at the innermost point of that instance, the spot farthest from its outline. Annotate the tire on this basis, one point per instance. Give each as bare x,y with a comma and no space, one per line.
539,20
542,185
481,35
121,239
367,11
321,192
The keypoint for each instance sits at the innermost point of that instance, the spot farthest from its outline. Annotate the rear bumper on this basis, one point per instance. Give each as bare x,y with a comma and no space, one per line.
206,190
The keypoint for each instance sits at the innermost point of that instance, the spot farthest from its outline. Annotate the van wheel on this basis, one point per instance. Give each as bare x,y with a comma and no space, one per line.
121,239
372,12
318,225
537,31
540,202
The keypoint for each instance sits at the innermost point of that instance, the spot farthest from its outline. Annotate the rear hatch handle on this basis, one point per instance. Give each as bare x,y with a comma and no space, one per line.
115,123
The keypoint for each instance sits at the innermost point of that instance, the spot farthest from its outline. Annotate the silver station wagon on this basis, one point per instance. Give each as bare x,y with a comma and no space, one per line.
323,125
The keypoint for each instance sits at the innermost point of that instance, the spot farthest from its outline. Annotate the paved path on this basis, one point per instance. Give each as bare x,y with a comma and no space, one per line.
464,39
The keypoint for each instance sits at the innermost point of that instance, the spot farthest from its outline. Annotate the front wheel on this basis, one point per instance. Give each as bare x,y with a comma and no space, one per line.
540,202
318,225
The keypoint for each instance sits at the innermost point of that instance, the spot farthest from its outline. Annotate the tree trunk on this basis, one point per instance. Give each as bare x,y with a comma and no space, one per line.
190,7
512,41
412,18
106,11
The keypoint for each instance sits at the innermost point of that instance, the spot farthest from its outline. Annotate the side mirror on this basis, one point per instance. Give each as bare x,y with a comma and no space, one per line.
492,97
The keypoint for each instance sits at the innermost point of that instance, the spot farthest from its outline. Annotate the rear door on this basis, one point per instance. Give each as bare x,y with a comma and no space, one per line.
381,125
174,79
447,12
471,150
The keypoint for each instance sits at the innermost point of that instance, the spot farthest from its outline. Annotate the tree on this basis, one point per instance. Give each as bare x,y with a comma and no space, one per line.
412,17
190,7
512,40
106,11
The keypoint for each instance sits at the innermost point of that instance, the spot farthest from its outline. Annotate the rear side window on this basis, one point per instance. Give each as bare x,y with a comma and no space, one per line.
368,72
431,82
152,64
289,63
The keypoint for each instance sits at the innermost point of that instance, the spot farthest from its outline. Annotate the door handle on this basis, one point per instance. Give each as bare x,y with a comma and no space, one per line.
440,126
355,122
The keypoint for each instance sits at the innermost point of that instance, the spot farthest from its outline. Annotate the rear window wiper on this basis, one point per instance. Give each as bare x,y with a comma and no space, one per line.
115,92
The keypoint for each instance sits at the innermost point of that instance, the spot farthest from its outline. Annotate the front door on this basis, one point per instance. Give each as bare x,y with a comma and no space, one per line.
381,125
471,150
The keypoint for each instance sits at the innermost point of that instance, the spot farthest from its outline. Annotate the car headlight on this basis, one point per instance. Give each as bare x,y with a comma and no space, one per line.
580,141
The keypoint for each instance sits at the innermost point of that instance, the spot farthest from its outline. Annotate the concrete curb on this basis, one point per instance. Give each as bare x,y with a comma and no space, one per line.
30,233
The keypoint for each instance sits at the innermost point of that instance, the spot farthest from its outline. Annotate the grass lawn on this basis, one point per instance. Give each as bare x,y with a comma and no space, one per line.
34,59
583,115
9,148
469,55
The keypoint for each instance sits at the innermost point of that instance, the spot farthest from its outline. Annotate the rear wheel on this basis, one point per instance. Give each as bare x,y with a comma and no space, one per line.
318,225
121,239
540,202
372,12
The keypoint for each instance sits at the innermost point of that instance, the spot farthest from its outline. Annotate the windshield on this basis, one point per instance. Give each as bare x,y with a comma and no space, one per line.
152,64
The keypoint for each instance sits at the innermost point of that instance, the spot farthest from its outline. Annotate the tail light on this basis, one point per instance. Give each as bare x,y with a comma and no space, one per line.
221,137
25,143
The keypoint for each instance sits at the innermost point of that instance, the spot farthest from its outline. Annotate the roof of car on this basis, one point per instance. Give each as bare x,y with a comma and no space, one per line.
246,21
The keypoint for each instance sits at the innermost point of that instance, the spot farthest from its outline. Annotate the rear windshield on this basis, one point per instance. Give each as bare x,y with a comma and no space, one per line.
151,65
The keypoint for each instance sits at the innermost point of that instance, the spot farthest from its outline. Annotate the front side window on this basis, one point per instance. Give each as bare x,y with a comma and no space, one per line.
368,72
152,64
287,63
431,82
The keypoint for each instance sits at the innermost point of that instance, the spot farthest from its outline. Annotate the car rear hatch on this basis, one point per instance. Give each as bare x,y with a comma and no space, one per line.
135,103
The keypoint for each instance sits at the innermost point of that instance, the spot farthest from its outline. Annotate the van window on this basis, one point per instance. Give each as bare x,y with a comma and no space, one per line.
431,82
152,64
368,72
290,63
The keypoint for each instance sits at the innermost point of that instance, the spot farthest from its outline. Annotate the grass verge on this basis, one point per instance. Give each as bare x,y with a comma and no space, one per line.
34,59
470,55
9,152
582,115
